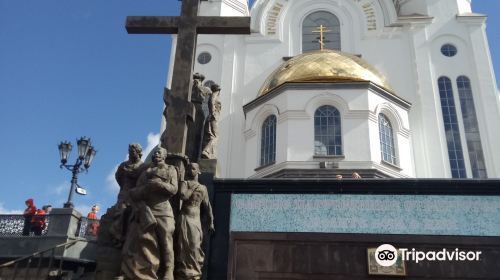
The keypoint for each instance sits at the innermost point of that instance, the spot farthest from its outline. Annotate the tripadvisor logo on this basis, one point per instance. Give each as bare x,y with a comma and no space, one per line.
387,255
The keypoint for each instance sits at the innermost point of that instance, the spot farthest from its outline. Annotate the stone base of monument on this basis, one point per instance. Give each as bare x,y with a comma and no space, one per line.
329,229
209,166
108,263
108,257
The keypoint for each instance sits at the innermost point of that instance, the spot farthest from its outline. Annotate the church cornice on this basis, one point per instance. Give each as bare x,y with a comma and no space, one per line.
412,20
472,18
337,85
268,15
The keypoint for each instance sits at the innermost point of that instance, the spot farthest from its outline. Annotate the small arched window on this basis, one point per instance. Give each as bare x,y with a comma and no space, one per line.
451,129
327,131
387,147
471,128
268,141
310,39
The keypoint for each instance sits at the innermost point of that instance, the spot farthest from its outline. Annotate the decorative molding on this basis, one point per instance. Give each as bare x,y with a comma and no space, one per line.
369,9
392,170
315,86
295,115
392,113
357,114
342,165
249,134
268,15
472,18
404,132
237,5
273,18
262,114
373,117
414,20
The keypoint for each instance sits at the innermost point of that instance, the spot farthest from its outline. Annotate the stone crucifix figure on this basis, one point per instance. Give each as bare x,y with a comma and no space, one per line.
178,99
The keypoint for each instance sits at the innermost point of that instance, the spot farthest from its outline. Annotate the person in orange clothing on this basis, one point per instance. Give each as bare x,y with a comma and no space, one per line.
93,224
28,214
39,220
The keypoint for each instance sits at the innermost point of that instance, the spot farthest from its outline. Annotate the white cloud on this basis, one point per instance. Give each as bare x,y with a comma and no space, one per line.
153,141
59,189
111,182
84,209
5,211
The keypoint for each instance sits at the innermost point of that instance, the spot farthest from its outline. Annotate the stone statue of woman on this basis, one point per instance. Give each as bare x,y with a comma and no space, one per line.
195,208
211,125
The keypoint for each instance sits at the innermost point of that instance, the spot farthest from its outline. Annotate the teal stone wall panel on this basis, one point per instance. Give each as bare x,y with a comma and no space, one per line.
372,214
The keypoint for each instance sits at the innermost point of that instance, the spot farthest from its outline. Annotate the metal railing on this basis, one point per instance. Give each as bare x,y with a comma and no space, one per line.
88,228
38,257
13,225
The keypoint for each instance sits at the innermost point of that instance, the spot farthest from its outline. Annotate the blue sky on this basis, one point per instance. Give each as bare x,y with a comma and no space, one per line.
69,69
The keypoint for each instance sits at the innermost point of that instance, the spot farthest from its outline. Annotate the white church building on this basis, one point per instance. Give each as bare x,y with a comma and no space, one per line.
402,89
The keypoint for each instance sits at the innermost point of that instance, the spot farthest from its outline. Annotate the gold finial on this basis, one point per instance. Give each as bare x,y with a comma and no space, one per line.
321,30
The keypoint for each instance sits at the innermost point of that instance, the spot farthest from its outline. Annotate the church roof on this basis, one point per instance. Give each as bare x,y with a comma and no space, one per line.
324,66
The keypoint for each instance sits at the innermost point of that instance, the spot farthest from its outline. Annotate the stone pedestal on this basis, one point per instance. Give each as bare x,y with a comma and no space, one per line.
208,166
64,222
109,254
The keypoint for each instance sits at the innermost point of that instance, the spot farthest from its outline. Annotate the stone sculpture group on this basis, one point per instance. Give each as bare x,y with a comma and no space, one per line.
163,213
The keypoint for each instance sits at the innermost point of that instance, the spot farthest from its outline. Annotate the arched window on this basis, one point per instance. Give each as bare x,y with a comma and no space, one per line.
310,39
471,128
455,152
268,141
327,131
387,147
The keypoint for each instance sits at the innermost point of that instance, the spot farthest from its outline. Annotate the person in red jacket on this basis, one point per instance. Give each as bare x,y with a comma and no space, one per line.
28,214
93,223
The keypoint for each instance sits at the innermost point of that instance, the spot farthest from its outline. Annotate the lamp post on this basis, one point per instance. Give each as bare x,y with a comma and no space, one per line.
86,154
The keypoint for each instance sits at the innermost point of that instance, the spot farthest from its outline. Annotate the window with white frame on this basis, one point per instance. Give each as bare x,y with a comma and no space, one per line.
387,147
471,128
327,131
451,128
310,38
268,141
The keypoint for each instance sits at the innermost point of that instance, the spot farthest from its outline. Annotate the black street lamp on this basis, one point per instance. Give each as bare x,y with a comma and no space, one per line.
86,154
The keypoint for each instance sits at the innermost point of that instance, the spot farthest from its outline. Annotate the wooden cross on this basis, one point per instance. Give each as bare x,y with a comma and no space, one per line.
187,27
321,30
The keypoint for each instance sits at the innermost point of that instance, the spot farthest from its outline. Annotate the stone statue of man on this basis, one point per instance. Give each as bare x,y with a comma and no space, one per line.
148,251
126,176
211,126
195,207
128,172
114,225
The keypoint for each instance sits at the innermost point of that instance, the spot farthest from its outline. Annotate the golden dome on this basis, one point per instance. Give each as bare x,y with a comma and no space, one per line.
323,66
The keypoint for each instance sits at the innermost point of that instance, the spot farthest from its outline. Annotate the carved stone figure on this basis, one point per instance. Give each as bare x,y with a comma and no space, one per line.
126,176
148,250
211,132
199,97
115,223
195,207
128,172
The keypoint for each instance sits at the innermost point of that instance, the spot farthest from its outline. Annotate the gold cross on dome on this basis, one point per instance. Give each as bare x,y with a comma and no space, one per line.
321,30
